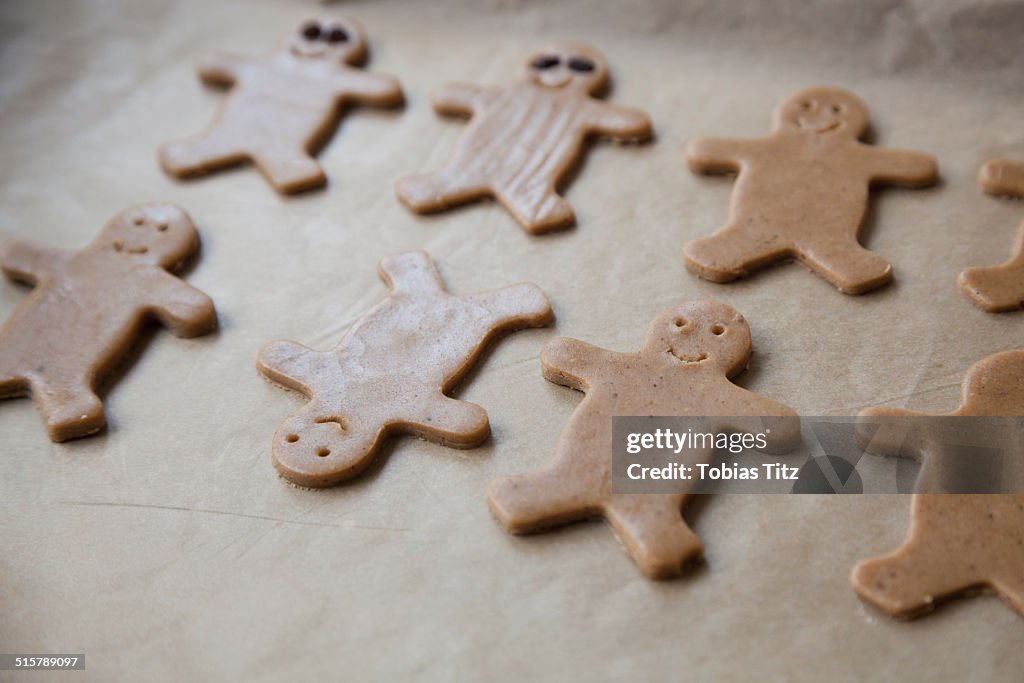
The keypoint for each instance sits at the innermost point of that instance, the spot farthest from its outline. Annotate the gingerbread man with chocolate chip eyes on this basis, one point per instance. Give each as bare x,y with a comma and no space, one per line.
283,108
87,308
523,139
802,192
684,368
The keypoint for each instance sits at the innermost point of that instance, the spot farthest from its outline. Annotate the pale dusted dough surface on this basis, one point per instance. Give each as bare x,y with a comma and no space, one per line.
168,548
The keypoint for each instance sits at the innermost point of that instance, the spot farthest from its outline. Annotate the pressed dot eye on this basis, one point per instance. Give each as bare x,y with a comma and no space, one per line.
805,104
337,35
717,329
291,438
679,322
311,31
323,452
162,227
118,245
581,64
545,62
836,108
138,220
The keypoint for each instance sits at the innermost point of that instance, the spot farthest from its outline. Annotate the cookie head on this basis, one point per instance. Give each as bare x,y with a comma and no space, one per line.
158,234
568,65
702,334
332,40
823,111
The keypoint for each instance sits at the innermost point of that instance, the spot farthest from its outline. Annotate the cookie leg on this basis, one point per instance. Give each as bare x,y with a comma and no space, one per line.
997,288
538,210
653,532
290,172
202,154
523,304
733,252
910,581
439,190
12,385
849,266
537,501
69,410
1011,589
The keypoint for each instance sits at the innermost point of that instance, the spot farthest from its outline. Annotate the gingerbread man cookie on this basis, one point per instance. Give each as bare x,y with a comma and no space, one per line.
282,109
391,372
87,307
524,138
957,542
999,288
802,192
684,367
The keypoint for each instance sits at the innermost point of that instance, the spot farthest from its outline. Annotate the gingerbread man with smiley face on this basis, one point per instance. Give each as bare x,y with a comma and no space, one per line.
684,368
524,138
802,192
87,307
283,108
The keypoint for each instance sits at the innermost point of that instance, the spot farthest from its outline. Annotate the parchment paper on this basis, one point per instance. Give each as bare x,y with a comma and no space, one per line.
168,549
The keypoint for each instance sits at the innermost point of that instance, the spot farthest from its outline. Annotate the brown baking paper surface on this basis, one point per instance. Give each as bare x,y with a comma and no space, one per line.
168,549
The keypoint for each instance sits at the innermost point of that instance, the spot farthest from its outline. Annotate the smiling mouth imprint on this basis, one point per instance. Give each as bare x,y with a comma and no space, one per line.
120,248
688,360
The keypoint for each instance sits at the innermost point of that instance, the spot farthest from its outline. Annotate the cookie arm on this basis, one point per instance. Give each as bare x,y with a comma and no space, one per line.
219,69
616,121
568,361
29,262
375,90
716,155
291,365
180,307
1003,178
460,99
902,167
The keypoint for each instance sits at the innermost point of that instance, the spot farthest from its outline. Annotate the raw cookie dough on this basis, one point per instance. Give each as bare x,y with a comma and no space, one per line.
390,373
802,192
689,355
523,138
957,542
284,108
87,309
999,288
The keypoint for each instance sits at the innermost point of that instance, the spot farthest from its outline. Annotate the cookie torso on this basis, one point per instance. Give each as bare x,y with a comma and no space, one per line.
523,134
802,186
88,282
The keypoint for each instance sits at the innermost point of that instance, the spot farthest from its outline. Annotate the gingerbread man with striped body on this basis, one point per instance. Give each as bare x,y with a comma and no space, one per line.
524,138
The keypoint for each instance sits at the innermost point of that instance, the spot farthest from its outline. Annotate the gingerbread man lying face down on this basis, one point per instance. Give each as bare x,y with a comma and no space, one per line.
957,542
999,288
802,193
684,368
391,371
283,108
524,138
87,308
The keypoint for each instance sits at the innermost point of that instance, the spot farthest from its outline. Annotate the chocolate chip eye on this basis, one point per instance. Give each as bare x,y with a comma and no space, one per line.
545,62
337,35
580,64
311,31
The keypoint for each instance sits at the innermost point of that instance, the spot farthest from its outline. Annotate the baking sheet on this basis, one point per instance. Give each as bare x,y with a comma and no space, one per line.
167,547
